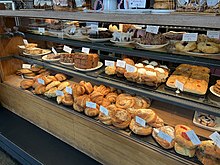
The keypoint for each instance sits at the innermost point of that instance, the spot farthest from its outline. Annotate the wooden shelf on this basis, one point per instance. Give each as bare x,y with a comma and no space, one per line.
193,20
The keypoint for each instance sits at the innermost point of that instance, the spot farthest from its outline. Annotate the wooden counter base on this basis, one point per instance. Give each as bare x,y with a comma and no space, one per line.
97,142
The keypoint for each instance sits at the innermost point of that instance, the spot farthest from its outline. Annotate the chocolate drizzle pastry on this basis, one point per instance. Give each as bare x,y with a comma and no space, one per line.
153,39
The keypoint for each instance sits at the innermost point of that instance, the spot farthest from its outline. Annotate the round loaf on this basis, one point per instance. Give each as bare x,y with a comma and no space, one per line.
138,129
121,118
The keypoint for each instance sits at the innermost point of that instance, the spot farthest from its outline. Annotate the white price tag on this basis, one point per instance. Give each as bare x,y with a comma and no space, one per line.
67,49
41,30
59,93
85,50
121,63
216,138
109,63
179,85
90,104
73,29
130,68
193,137
26,66
137,3
69,90
183,2
140,121
54,51
25,41
40,81
79,3
152,29
212,2
190,37
94,28
104,110
165,136
213,34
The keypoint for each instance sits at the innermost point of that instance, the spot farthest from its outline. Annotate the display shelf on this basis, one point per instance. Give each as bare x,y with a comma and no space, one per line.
154,94
209,61
146,141
194,20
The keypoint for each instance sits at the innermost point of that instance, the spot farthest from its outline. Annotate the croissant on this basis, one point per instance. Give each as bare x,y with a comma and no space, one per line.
97,97
112,97
92,111
67,100
78,90
87,85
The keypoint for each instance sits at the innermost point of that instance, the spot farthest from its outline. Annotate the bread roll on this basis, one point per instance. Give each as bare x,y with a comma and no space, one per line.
138,129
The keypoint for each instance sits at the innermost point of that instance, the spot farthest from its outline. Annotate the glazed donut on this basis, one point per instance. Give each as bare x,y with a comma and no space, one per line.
121,118
208,47
185,46
139,130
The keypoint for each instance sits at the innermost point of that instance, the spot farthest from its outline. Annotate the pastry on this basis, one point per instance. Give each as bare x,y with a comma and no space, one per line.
209,148
181,137
52,84
59,99
40,89
120,71
63,85
80,102
25,84
30,45
88,86
35,69
138,129
107,119
67,58
25,71
67,100
158,123
105,102
172,80
184,151
207,159
110,70
92,111
131,76
29,74
78,90
141,103
46,79
196,86
97,97
35,84
112,97
208,47
51,92
60,77
147,114
121,118
102,89
185,46
164,143
124,101
132,111
207,120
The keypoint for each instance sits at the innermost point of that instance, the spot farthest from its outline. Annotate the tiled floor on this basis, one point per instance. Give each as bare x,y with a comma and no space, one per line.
39,144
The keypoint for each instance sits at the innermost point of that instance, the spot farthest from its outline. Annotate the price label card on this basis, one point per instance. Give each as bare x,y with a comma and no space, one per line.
85,50
212,2
59,93
26,66
79,3
41,30
165,136
40,81
54,51
90,104
130,68
213,34
179,85
94,28
216,138
104,110
183,2
152,29
73,29
121,63
190,37
140,121
67,49
25,41
109,63
137,3
193,137
69,90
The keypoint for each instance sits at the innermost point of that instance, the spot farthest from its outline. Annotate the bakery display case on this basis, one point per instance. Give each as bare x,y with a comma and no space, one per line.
105,98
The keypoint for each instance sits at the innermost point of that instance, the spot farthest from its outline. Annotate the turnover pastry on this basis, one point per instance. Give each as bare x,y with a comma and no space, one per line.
167,130
107,119
92,111
131,76
121,118
125,101
25,84
138,129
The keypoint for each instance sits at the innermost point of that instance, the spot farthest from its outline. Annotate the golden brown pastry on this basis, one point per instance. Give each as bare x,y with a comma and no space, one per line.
120,71
121,118
46,79
207,159
60,77
209,148
138,129
147,114
141,103
208,47
196,86
158,123
67,100
35,84
112,97
35,69
25,84
88,86
107,119
97,97
25,71
105,102
80,102
132,111
52,84
185,46
131,76
40,89
164,143
181,137
110,70
102,89
125,101
59,99
78,90
92,111
52,77
51,92
63,85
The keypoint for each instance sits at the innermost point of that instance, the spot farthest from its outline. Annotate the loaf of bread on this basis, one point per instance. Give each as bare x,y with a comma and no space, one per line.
86,61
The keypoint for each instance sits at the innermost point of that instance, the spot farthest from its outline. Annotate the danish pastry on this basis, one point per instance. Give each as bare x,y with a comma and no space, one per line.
88,86
60,77
112,97
25,84
107,119
125,101
141,103
121,118
97,97
67,100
